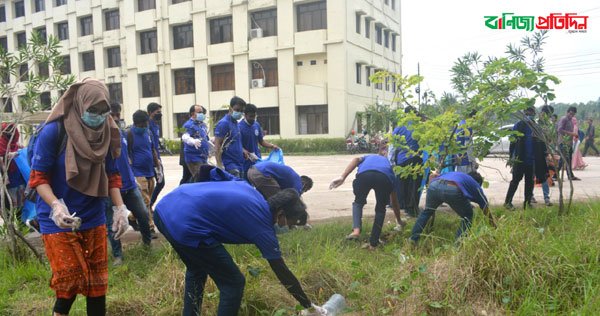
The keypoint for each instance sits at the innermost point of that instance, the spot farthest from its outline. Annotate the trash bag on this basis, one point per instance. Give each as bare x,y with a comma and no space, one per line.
28,212
275,156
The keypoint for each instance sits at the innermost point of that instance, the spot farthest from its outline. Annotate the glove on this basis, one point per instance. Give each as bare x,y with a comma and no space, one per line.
62,218
120,222
197,143
252,157
159,173
314,310
336,183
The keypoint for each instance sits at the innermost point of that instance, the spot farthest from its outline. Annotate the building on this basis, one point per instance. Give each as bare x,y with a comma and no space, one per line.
304,63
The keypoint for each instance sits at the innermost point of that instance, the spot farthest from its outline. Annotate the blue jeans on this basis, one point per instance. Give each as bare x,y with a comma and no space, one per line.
134,202
441,192
546,190
203,261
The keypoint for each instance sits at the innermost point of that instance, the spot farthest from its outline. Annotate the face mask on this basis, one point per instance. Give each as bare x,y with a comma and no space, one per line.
121,124
157,116
236,115
140,130
200,117
531,117
93,120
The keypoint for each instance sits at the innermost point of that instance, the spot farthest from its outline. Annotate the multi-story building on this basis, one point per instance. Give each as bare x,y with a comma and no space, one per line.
304,63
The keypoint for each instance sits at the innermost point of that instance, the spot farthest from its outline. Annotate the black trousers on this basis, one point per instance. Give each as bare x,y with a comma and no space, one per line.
589,145
519,170
379,182
408,191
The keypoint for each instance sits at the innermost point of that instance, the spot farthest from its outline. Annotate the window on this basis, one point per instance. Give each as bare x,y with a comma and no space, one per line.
62,30
367,28
393,85
358,22
43,70
144,5
221,30
39,5
268,118
111,20
393,42
150,85
368,72
358,73
116,92
23,72
85,25
379,85
312,16
7,104
387,2
393,4
45,101
184,81
266,20
386,38
87,59
148,42
378,37
387,84
19,8
113,56
4,75
179,1
65,67
222,77
183,36
269,66
42,33
58,3
313,119
2,14
313,62
21,40
4,43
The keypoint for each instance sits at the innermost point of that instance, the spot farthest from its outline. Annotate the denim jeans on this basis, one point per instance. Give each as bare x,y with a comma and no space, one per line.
204,261
134,202
441,192
546,190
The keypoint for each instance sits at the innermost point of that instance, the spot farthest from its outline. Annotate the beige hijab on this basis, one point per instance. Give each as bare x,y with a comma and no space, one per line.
86,147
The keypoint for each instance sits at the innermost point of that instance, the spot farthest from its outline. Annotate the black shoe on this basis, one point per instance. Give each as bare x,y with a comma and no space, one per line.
575,179
509,206
532,200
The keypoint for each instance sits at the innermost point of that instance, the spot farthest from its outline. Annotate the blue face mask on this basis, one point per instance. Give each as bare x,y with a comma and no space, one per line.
140,130
531,117
200,117
93,120
236,115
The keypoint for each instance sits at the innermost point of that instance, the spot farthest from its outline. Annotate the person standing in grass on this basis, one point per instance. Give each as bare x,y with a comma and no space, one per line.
252,136
195,140
458,190
197,228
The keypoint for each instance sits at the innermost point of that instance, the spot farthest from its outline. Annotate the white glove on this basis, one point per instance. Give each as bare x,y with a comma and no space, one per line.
61,216
160,175
120,222
253,157
336,183
197,143
314,310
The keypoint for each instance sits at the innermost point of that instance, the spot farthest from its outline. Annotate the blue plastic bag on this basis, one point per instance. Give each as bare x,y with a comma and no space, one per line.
275,156
28,212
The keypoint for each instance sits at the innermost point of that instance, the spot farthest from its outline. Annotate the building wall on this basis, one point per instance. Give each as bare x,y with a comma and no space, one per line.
327,75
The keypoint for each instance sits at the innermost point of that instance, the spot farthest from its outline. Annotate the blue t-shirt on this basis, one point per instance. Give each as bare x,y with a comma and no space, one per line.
127,177
209,213
529,159
463,137
252,135
467,185
377,163
155,132
402,157
233,155
90,209
285,176
196,130
142,161
14,177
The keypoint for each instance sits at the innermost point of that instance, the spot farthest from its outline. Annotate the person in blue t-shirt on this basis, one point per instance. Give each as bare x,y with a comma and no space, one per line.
195,140
130,193
228,139
197,228
374,173
155,112
458,190
252,136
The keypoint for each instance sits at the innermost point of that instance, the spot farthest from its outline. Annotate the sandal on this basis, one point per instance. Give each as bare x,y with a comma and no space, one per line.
352,236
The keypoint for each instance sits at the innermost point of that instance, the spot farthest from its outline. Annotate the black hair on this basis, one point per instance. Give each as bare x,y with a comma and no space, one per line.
530,109
477,177
237,100
153,106
250,108
472,113
140,116
410,109
293,208
307,183
572,109
192,110
115,108
547,109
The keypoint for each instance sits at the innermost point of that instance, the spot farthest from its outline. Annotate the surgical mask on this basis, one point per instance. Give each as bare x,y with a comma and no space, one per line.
200,117
121,124
157,117
140,130
93,120
236,115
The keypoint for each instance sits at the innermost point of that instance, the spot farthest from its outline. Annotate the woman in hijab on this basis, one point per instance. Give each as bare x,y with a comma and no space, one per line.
71,183
9,145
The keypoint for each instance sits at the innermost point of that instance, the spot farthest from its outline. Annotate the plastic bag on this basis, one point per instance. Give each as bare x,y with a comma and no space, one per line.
275,156
28,212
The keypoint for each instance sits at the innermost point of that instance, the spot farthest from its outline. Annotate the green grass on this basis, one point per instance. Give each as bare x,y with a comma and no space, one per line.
534,263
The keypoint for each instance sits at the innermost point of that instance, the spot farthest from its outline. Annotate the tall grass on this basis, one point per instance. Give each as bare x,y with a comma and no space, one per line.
534,263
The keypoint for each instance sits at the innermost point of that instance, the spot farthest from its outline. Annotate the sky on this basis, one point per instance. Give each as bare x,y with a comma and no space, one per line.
436,33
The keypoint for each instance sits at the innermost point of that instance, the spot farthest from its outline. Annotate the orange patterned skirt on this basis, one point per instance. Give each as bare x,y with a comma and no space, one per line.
79,262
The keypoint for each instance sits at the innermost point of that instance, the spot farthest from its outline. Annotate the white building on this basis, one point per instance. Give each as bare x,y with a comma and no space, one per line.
304,63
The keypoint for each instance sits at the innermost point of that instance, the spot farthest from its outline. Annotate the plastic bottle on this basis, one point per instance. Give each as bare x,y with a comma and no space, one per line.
335,305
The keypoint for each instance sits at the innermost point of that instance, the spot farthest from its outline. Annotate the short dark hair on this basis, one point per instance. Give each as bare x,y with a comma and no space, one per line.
572,109
530,109
115,108
554,116
140,116
192,109
307,183
153,106
250,108
237,100
547,109
293,208
410,109
477,177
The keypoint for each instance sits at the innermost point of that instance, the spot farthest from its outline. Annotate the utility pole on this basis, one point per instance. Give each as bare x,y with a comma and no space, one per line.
418,90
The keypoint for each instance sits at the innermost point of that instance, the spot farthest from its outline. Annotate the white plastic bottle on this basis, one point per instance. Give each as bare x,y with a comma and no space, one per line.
335,305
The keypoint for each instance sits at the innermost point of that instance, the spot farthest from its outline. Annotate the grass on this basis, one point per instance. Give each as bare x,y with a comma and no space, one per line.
534,263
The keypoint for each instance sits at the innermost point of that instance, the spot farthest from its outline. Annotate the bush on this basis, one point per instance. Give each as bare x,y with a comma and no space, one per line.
174,145
311,145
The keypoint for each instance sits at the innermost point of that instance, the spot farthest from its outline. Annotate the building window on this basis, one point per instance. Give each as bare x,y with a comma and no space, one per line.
150,85
21,40
39,5
367,28
58,3
378,35
7,105
23,72
2,14
386,38
86,27
111,20
269,66
65,67
87,59
312,16
268,118
148,42
4,43
358,22
42,33
115,92
387,2
4,75
368,73
221,30
379,85
313,119
358,73
393,42
43,70
62,30
113,56
179,1
393,4
222,77
184,81
267,21
393,85
183,36
144,5
45,101
19,8
387,83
